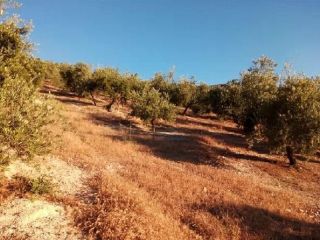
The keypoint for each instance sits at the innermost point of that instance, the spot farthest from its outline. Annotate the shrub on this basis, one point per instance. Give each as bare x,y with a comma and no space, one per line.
22,185
41,185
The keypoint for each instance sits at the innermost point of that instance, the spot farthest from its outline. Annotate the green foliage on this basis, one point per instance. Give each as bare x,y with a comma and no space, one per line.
188,94
23,117
286,117
185,92
133,84
202,101
225,99
23,112
294,116
76,77
258,89
150,105
51,72
115,85
162,83
41,185
15,60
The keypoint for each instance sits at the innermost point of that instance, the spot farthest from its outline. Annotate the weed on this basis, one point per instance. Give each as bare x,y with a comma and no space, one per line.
41,185
21,185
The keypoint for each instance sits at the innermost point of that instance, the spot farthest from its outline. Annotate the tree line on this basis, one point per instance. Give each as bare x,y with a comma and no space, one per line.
283,111
280,110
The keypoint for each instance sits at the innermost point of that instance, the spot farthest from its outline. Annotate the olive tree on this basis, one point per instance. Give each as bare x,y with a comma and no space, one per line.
188,94
293,123
225,99
114,84
24,114
150,105
163,83
258,89
76,76
52,72
202,101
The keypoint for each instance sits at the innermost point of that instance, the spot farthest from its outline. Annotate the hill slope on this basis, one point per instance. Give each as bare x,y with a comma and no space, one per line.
194,179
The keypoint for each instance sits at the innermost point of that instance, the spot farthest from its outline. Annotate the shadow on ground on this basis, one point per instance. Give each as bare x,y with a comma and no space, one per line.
66,96
262,223
180,144
210,125
176,143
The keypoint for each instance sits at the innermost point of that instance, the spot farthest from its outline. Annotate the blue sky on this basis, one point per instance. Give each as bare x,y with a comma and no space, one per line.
211,40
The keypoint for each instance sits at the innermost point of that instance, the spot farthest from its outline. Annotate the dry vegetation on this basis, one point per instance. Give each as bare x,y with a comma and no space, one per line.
194,179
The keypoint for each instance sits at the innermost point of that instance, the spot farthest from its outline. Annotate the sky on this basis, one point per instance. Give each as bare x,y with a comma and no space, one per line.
212,40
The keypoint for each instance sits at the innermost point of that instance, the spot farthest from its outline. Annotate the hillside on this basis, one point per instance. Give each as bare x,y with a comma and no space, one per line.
193,179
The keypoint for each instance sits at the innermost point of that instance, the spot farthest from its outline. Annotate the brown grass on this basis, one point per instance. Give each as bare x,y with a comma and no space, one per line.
14,237
195,179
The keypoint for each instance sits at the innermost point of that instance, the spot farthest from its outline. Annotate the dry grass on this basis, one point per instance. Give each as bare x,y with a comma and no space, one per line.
120,211
14,237
195,179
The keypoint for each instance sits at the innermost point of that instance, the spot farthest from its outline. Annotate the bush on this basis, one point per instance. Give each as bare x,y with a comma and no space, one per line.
41,185
22,185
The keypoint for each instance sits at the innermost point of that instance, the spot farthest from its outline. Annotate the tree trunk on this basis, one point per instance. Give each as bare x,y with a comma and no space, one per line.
153,126
153,129
290,156
109,106
123,100
93,100
186,109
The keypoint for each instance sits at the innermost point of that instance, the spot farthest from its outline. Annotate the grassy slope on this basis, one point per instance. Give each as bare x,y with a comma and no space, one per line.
195,179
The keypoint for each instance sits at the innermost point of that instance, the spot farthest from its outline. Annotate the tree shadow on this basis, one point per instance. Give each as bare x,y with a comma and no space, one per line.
179,144
47,89
227,138
209,125
115,122
204,116
178,148
263,223
225,152
66,96
311,159
74,101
